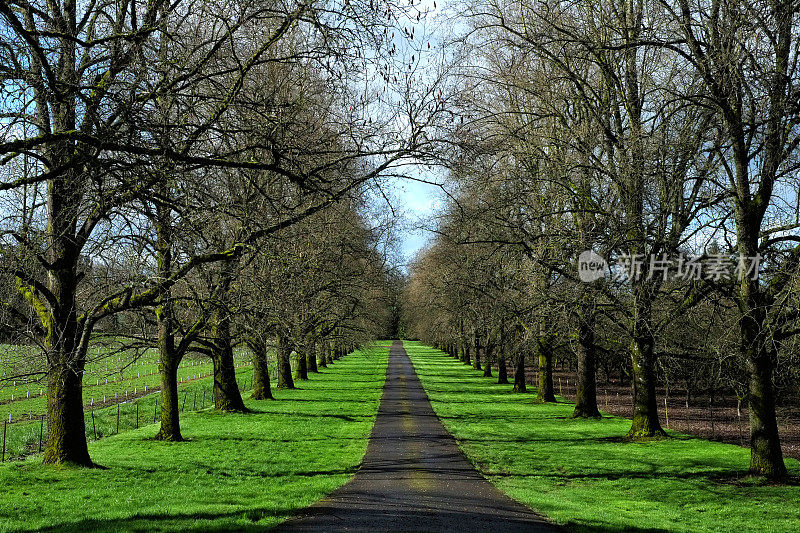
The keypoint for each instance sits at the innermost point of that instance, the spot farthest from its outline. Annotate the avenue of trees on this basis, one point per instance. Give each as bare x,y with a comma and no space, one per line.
663,135
197,175
192,175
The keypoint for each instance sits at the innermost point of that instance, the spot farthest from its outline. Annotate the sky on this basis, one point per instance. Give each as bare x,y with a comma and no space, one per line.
417,203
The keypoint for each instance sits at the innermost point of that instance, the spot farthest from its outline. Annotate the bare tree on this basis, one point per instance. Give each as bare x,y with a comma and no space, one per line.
751,83
95,100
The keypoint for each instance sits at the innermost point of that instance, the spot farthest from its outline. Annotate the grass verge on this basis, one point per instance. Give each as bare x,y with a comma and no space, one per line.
583,475
238,472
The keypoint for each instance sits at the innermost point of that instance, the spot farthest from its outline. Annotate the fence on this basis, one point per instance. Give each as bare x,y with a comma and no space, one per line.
26,437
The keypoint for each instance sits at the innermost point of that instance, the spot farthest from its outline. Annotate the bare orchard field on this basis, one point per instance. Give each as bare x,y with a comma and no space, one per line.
721,423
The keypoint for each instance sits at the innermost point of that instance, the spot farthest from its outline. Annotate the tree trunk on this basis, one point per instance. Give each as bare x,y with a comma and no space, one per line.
169,361
545,392
502,371
323,354
66,436
476,350
285,380
66,355
301,372
645,408
488,350
227,396
311,357
586,392
65,350
261,385
519,374
766,456
169,358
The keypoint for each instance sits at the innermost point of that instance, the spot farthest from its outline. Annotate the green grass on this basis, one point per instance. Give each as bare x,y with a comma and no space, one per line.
581,474
24,436
108,377
238,472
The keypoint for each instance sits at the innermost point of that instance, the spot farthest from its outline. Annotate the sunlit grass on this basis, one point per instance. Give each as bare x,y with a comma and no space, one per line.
108,378
26,436
238,471
581,473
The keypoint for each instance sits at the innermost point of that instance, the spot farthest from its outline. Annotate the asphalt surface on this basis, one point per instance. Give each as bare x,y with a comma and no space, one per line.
414,477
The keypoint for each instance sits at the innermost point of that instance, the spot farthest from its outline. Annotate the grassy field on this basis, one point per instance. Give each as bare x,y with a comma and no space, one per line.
238,472
582,474
124,404
23,437
110,377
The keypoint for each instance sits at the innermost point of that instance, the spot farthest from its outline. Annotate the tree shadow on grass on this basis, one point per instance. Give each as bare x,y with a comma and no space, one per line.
582,527
312,400
503,418
714,472
242,520
714,476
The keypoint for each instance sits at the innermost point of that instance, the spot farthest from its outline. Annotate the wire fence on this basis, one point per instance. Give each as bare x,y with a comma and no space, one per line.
25,437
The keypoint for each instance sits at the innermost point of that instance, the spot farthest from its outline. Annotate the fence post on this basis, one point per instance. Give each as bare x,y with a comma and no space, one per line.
194,403
155,411
117,419
41,434
5,425
94,428
137,415
711,413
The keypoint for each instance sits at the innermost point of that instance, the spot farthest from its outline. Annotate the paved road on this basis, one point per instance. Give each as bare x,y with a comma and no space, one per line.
414,476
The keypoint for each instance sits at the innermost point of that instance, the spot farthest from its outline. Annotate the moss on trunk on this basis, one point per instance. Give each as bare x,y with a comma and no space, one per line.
301,370
170,429
66,435
324,349
261,385
645,422
766,456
